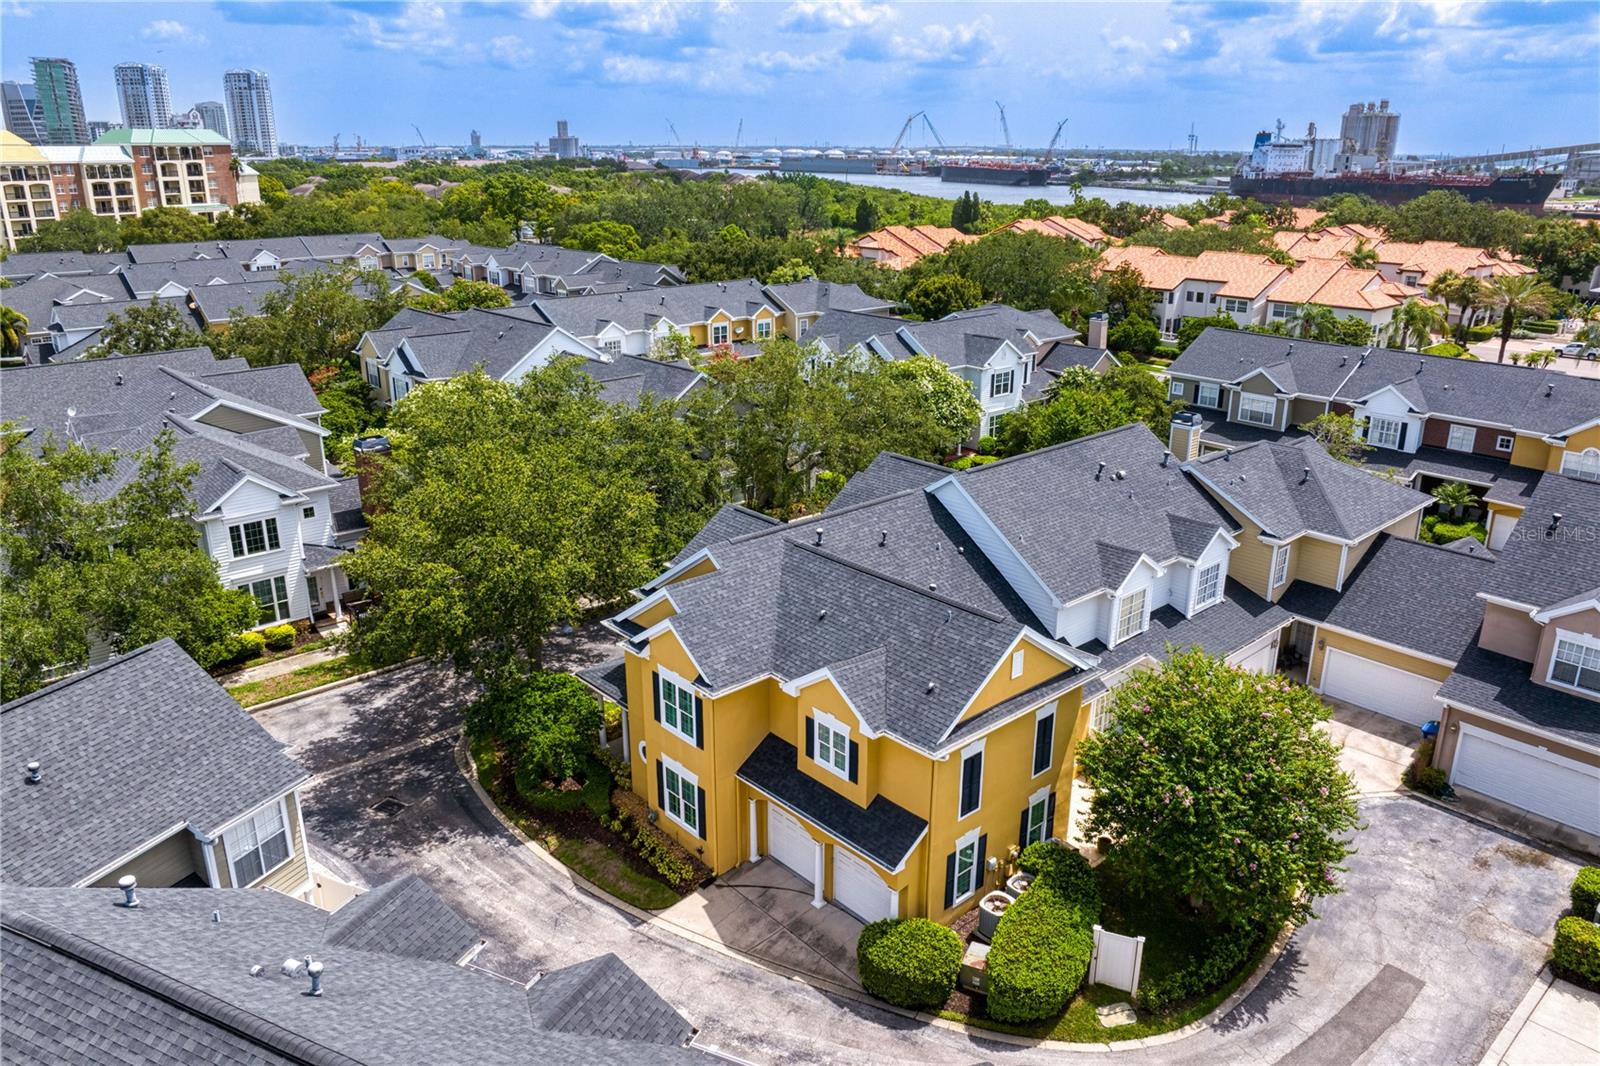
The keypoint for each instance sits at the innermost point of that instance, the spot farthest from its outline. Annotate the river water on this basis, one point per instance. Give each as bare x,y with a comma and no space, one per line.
1012,194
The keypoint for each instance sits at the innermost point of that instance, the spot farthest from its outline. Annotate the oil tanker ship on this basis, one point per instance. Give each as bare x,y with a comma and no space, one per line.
994,173
1360,160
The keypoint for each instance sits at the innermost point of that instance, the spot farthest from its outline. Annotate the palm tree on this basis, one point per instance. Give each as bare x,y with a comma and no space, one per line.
1455,497
1415,320
13,332
1311,322
1363,255
1516,296
1459,290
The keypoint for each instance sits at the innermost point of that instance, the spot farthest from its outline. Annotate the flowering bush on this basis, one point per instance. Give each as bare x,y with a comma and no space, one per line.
1216,786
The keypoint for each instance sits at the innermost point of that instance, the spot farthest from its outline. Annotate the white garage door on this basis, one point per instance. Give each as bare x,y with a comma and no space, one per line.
1528,777
1262,659
1396,693
858,890
790,844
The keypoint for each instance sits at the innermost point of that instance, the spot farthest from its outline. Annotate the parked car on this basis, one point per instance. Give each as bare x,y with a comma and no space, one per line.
1592,352
1573,350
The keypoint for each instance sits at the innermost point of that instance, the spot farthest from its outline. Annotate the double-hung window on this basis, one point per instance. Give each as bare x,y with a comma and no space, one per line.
258,845
1280,565
1576,663
1044,738
966,876
764,329
1462,439
1208,394
832,743
1175,388
1584,465
1257,410
1130,616
272,596
682,791
1002,383
1237,307
677,708
719,333
1383,432
971,780
1038,824
252,538
1208,586
612,348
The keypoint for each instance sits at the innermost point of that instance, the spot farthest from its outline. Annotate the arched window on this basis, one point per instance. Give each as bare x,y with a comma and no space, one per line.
1584,464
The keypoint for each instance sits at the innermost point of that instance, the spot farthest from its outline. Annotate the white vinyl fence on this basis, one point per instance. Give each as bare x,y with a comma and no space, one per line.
1116,961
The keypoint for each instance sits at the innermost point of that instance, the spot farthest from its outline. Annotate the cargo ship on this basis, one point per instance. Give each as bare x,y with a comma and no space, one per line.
994,173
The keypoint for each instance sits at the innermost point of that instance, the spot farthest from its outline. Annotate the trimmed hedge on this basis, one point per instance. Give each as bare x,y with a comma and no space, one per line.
1482,333
910,962
1222,959
676,865
1586,892
279,638
594,793
1041,948
1039,957
1577,951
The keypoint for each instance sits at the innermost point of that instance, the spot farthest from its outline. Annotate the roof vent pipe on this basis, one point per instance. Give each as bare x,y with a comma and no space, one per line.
883,537
1166,457
930,686
119,377
1101,469
819,536
1305,474
1555,520
130,891
34,776
314,971
1549,388
823,613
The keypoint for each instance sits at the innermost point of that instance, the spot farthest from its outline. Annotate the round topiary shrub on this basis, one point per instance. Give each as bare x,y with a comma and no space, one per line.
910,962
1039,957
1577,951
279,638
1586,892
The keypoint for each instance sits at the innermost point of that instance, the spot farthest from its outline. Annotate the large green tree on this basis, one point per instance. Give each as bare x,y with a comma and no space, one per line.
1216,786
314,318
95,559
505,510
1082,402
461,295
154,327
937,296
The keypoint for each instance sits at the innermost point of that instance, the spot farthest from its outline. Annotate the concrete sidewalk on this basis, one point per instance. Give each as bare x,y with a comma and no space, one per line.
277,667
1556,1022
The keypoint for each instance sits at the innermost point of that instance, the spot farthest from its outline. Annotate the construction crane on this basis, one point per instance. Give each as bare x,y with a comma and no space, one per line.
905,128
335,142
1055,139
1194,142
674,130
738,134
1005,127
423,141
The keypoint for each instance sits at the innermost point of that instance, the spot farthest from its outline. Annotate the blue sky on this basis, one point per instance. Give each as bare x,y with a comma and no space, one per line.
1465,76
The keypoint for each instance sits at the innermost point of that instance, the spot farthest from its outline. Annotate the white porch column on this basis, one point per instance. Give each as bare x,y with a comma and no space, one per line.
816,889
755,837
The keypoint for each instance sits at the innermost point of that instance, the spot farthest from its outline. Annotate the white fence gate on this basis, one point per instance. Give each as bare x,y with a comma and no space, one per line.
1116,961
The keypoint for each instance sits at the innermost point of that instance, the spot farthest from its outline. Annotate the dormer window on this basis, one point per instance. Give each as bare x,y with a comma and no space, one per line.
1130,616
1208,587
1385,432
1576,662
1257,410
719,333
1584,465
1002,383
831,744
764,329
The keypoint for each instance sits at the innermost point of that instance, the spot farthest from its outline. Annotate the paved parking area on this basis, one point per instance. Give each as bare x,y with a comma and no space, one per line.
1377,748
1447,914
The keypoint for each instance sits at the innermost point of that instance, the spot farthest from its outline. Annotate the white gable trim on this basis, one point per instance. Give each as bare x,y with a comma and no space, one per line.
794,687
285,495
1024,579
292,421
1563,609
1034,639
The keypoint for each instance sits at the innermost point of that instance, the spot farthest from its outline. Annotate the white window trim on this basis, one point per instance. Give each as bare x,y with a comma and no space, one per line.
1504,443
1582,640
727,332
1143,621
1018,662
672,766
968,840
1199,582
1376,424
1040,797
1009,376
1280,567
1200,394
1265,404
764,329
823,720
249,819
1047,711
244,541
1588,460
669,678
1175,388
1455,434
970,751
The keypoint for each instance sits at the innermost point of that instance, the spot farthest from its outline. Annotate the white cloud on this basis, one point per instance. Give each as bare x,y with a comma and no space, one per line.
647,16
423,29
832,15
169,30
509,50
964,43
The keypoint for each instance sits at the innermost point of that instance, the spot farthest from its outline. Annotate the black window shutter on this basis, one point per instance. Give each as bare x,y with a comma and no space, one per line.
1050,816
983,853
971,782
1022,833
655,687
811,739
701,821
950,881
661,785
699,721
1402,444
1044,737
855,762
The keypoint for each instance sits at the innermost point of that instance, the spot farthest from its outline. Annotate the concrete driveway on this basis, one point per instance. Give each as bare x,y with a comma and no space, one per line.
1422,959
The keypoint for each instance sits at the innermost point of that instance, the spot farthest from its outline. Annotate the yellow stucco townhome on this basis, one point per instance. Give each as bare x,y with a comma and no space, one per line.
715,314
145,766
885,699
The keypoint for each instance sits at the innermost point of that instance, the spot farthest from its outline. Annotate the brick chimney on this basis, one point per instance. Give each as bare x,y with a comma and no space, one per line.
1183,439
1099,328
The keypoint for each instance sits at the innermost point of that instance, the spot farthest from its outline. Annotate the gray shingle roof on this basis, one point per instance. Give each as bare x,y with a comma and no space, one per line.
402,917
1295,487
841,330
1545,563
627,378
19,265
37,298
143,278
1063,354
75,317
731,520
135,748
601,997
1016,324
75,952
882,831
222,303
610,679
642,309
812,296
887,474
1501,685
1500,394
1405,593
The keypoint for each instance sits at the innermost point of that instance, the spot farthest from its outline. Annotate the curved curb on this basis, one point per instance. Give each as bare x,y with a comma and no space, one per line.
654,920
329,687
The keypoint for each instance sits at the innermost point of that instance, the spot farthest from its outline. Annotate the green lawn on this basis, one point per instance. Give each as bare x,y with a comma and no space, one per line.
596,862
307,677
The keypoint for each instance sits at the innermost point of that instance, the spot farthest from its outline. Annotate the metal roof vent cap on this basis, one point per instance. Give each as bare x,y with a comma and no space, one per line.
1555,520
930,686
883,538
1122,475
819,536
1305,474
1100,469
34,776
1549,388
130,891
823,613
1166,457
119,377
314,971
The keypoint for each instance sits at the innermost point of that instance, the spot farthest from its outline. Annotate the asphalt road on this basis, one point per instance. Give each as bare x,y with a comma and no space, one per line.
1421,960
